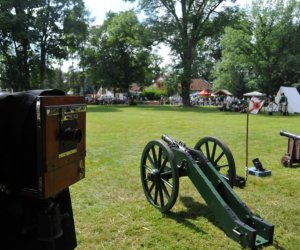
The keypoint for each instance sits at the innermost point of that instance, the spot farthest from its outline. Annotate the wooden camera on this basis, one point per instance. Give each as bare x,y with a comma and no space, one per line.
43,149
60,142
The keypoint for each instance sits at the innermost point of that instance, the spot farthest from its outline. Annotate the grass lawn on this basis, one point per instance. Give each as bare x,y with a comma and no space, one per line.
111,211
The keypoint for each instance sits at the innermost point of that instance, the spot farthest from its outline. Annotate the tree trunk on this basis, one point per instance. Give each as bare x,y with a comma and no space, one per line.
42,65
22,51
186,77
185,88
25,66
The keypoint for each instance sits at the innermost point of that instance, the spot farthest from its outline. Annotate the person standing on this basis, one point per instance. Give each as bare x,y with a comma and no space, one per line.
283,103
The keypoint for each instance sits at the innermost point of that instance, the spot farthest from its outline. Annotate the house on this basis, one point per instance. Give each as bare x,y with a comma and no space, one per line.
199,84
135,88
196,85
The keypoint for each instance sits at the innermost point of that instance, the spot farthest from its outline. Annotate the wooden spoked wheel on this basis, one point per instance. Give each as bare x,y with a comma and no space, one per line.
159,175
220,156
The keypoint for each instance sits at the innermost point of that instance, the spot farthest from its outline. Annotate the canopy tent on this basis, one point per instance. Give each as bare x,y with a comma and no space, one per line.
222,92
293,98
255,93
194,94
204,93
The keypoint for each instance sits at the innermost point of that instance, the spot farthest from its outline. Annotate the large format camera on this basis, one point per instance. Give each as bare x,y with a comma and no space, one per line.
42,153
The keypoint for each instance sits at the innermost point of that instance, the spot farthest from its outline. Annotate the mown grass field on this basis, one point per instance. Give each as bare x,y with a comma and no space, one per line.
111,211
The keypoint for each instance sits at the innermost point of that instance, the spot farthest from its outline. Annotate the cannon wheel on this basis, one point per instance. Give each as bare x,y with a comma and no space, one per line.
220,156
159,175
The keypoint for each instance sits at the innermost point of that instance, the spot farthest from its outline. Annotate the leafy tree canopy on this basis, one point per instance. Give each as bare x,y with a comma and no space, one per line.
118,53
182,25
262,50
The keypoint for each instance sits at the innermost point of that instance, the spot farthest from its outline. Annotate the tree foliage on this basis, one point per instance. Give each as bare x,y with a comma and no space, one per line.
182,25
118,53
35,33
262,51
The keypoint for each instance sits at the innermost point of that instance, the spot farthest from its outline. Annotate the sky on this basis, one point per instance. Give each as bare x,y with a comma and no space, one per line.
99,8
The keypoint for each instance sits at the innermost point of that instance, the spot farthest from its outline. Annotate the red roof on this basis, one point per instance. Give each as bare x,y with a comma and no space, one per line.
199,84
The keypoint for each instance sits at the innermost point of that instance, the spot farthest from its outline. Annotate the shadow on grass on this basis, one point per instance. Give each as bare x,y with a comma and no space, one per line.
295,166
195,210
276,245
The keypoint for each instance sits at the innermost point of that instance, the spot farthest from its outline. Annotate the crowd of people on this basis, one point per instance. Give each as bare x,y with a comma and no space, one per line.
230,103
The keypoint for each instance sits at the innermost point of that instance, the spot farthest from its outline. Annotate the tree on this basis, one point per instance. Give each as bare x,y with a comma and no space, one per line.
15,39
118,53
182,24
35,33
60,24
262,51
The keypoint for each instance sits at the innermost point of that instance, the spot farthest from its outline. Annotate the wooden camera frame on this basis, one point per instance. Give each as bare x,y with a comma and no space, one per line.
61,142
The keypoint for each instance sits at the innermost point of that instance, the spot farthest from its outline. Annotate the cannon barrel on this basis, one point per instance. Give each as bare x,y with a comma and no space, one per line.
169,140
289,135
173,142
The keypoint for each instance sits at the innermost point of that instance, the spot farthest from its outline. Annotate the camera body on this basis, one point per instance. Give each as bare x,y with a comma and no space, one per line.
42,153
60,143
42,146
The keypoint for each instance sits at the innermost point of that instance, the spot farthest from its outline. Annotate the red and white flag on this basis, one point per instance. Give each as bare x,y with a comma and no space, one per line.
255,105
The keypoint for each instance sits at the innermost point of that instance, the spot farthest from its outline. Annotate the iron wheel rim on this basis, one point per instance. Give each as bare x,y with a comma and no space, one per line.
159,175
220,156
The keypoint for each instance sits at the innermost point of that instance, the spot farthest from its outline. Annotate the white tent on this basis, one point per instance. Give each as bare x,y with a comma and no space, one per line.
293,98
222,92
255,93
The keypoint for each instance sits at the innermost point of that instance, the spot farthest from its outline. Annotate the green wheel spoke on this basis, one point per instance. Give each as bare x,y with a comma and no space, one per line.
151,160
165,190
219,155
219,158
162,203
159,158
156,194
166,182
223,166
151,188
148,168
213,152
207,151
159,175
164,164
154,156
166,173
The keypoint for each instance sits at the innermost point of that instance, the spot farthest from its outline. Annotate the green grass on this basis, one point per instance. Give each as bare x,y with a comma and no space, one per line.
111,211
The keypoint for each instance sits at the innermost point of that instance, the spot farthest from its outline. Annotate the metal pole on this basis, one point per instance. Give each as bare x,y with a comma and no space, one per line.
247,135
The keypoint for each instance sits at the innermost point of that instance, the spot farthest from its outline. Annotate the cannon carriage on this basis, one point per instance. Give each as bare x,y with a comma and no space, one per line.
293,150
42,153
210,166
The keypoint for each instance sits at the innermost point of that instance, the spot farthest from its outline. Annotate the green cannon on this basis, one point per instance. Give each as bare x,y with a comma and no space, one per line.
211,168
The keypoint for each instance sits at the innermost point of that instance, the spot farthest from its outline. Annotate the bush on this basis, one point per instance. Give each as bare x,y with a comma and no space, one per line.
153,93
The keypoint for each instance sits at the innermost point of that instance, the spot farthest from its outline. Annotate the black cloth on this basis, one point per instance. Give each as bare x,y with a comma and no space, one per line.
18,137
22,219
21,223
